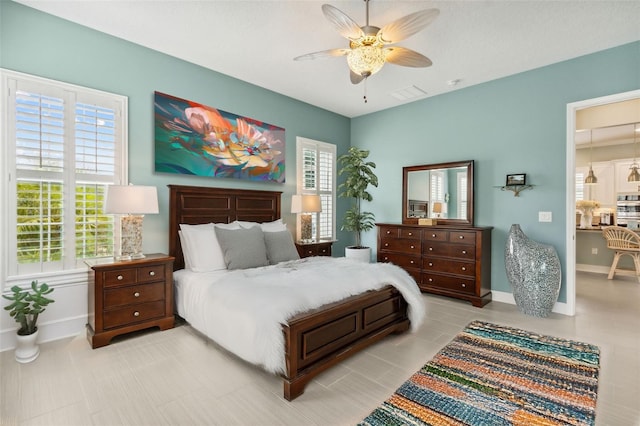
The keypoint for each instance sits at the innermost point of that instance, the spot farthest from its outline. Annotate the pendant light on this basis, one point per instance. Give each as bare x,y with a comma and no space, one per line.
591,178
634,176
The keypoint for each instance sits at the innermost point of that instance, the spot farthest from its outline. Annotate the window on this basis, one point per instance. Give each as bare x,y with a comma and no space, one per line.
461,190
316,174
65,144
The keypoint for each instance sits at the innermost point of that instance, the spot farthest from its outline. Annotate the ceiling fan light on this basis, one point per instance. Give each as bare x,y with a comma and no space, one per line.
366,60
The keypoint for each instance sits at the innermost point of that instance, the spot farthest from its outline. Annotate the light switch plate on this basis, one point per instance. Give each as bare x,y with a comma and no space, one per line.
544,217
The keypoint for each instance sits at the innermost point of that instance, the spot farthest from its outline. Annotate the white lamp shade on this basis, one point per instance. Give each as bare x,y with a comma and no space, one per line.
131,199
306,204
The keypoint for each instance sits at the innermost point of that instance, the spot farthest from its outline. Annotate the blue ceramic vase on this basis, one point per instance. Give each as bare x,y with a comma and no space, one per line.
533,269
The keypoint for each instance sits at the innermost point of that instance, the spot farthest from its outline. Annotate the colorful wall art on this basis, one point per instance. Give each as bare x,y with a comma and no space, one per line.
195,139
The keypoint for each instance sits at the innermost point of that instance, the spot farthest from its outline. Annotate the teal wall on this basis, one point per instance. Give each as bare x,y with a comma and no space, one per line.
515,124
57,49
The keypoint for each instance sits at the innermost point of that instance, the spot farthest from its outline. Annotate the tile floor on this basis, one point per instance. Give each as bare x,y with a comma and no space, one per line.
177,377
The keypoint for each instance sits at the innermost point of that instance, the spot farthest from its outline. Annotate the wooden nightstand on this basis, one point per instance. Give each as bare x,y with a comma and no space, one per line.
314,249
126,296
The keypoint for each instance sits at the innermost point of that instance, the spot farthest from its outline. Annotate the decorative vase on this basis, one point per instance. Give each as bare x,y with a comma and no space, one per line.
586,218
27,349
533,269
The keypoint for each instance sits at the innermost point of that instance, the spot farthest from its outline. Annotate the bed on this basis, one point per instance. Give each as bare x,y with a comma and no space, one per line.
314,340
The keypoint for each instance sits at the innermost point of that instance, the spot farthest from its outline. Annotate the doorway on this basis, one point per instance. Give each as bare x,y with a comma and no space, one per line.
572,109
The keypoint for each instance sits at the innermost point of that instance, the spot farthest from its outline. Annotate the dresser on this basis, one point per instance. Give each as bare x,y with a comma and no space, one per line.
126,296
322,248
446,260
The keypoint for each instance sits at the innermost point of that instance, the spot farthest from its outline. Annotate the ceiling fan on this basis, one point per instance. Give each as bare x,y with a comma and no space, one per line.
371,47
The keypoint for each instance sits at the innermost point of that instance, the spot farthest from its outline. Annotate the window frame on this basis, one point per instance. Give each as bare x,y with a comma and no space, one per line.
72,269
319,147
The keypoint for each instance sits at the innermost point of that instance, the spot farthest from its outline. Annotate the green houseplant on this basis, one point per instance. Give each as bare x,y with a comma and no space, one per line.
25,307
359,175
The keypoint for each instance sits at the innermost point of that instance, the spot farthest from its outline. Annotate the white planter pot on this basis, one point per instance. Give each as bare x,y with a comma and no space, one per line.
26,348
360,254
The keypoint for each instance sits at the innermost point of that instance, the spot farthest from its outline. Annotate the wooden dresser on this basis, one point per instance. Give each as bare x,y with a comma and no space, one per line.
446,260
129,296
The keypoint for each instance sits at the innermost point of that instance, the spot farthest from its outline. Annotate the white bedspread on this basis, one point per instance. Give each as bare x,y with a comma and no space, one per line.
243,310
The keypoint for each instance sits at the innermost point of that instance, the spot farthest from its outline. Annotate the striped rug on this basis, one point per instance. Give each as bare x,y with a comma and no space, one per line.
496,375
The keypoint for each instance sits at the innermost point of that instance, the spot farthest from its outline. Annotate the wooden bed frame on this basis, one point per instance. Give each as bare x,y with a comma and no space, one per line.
314,340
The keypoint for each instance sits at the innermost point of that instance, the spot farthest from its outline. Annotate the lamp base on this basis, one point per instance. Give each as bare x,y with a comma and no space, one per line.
131,238
305,228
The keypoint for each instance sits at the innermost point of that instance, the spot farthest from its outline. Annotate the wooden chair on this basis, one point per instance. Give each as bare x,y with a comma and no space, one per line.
624,242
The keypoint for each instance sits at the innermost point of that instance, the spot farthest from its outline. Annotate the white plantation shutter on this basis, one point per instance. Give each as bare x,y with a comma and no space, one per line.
65,144
461,190
316,175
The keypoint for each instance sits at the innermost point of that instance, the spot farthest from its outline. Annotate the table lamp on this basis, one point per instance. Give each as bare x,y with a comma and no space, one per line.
133,202
303,205
437,208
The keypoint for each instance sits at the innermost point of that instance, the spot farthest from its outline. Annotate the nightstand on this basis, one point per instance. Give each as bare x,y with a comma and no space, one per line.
126,296
314,249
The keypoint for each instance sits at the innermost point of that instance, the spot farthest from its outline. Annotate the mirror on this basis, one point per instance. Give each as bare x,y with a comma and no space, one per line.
439,191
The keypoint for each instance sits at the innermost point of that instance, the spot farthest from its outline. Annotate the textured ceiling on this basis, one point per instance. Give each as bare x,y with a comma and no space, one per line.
256,41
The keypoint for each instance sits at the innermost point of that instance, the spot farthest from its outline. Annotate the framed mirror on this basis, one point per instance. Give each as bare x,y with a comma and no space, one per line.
441,191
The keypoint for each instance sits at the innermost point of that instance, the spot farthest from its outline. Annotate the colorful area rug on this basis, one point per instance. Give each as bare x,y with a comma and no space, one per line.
495,375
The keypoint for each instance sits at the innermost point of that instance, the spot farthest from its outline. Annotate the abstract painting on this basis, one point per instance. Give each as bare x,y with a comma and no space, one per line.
195,139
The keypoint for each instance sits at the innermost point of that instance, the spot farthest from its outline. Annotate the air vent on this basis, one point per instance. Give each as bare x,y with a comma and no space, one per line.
408,93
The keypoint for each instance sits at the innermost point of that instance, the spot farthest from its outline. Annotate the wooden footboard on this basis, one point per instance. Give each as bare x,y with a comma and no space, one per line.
319,339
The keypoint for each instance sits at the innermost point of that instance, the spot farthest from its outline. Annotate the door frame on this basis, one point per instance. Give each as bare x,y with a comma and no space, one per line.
572,109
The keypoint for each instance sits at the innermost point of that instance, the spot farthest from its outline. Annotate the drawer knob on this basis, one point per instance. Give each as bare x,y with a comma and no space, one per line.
430,264
386,258
136,314
136,294
388,232
386,244
412,262
433,235
324,250
464,252
430,280
430,248
461,237
413,247
410,233
310,252
120,277
464,268
463,285
152,273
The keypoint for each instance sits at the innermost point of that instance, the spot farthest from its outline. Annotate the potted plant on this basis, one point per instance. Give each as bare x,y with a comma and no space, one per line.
26,305
359,175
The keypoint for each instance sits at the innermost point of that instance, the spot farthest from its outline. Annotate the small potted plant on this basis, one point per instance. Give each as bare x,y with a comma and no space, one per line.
359,175
25,306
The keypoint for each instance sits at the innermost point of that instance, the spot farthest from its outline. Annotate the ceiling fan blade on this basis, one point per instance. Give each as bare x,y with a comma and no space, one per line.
407,26
406,57
331,53
346,26
355,78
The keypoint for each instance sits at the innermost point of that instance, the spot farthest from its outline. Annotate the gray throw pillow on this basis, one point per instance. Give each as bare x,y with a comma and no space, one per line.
242,248
280,247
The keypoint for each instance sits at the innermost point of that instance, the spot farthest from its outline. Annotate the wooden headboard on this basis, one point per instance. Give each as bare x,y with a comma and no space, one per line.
195,204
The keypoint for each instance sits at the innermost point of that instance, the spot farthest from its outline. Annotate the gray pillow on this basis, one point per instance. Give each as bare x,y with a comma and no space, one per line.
242,248
280,247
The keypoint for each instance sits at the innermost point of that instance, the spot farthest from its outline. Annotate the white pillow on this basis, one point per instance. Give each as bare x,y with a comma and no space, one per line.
203,250
185,250
275,226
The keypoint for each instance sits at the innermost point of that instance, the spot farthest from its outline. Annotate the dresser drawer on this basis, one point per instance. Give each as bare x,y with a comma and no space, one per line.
462,237
122,296
461,285
402,260
402,245
448,266
459,251
150,273
412,234
133,314
389,231
435,235
119,277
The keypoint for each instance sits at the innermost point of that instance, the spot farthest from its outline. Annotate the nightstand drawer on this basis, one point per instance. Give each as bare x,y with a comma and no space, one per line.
314,249
133,314
119,277
150,273
133,294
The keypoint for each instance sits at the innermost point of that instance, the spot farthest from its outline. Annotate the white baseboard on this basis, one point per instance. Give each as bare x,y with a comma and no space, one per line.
48,332
504,297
